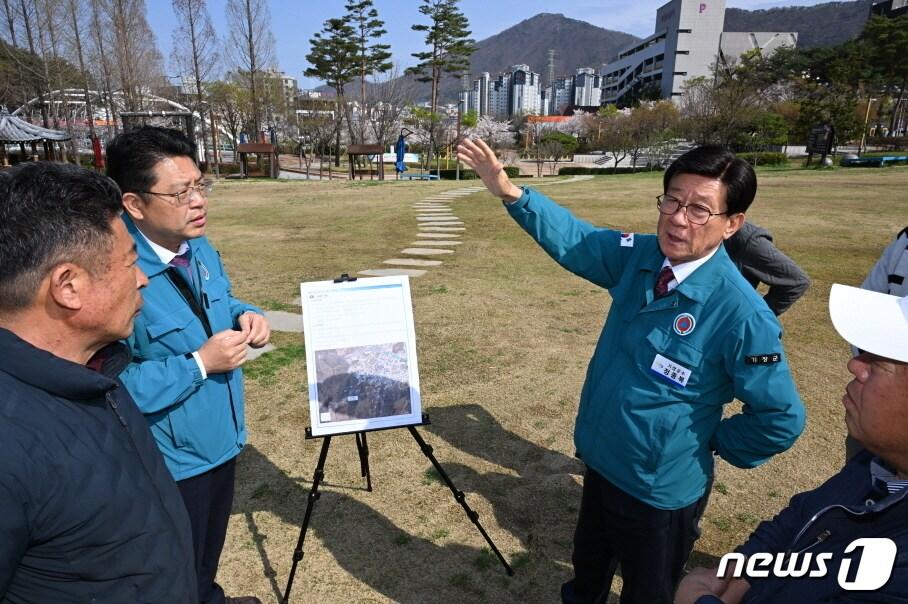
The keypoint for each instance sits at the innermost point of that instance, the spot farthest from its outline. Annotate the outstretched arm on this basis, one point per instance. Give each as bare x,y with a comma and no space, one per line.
477,155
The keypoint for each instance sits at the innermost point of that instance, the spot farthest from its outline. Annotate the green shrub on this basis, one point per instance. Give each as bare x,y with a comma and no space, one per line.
765,158
467,174
572,170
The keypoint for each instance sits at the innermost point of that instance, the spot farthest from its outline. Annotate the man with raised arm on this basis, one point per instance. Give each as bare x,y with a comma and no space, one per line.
685,335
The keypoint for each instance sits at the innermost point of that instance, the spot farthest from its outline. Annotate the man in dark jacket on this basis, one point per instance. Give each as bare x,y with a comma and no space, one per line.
760,261
88,510
847,539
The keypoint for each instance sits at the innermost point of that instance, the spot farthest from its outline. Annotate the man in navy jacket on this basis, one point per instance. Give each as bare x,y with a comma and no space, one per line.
851,533
88,510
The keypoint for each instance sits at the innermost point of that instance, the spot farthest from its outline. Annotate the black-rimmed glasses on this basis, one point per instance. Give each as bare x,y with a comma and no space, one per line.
696,213
182,198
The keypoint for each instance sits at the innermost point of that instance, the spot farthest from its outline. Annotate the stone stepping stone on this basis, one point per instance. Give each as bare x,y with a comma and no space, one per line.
431,242
437,218
440,228
412,262
438,235
280,320
254,353
424,251
393,272
441,224
432,209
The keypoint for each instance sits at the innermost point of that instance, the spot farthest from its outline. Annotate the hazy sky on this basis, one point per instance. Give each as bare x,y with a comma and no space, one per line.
295,21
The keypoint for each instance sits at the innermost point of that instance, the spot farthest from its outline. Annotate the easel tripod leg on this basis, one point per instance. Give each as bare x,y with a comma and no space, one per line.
459,497
313,495
362,447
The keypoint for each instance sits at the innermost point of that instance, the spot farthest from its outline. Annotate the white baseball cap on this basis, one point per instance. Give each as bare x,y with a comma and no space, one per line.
871,321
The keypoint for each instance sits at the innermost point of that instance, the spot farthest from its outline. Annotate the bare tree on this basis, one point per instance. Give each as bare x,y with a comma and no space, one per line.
195,53
232,104
389,98
76,35
251,44
100,58
138,61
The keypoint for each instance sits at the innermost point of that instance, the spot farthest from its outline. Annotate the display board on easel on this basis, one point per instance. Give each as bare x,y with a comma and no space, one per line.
361,343
363,376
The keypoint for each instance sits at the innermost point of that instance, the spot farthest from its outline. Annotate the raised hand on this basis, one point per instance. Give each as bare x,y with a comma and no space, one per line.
478,157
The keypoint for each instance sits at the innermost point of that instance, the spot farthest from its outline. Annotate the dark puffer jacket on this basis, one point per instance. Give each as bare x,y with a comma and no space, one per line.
88,511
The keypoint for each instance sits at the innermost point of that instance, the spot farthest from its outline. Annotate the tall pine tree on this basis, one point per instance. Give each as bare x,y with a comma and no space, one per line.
449,44
371,58
333,59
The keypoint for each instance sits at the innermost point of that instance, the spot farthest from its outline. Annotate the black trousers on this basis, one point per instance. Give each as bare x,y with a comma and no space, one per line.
651,545
208,498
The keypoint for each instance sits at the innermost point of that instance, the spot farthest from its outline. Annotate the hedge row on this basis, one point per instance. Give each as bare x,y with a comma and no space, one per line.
572,170
764,158
466,174
893,143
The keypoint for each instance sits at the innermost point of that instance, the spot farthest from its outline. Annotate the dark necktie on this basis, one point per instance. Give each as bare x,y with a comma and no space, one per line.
181,263
662,281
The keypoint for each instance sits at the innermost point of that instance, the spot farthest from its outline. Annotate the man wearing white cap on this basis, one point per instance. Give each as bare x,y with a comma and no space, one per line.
855,525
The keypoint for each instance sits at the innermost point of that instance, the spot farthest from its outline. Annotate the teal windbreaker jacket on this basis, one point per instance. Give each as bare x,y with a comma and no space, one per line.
197,424
650,411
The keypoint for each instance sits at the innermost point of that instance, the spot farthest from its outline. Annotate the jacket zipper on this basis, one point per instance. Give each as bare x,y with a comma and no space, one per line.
112,403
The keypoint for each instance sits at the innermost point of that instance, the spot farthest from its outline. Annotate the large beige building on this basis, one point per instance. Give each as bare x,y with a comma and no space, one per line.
686,42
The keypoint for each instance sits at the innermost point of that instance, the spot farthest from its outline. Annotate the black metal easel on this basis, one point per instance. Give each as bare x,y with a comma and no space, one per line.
362,448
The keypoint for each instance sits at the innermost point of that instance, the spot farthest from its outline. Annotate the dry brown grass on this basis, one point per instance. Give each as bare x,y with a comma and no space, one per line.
504,336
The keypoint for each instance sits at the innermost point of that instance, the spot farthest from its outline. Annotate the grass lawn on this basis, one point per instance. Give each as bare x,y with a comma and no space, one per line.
504,336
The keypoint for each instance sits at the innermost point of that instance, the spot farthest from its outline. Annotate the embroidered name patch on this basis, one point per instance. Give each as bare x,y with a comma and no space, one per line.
670,370
763,359
684,324
627,240
204,271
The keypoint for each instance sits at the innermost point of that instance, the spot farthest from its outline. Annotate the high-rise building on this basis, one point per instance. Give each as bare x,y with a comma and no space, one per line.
687,41
889,8
525,91
587,88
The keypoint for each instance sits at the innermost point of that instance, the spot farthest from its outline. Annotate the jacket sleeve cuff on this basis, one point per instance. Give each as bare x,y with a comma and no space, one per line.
520,202
198,361
710,599
193,364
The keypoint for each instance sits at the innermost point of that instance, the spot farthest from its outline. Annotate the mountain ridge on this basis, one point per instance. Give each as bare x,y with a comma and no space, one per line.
581,44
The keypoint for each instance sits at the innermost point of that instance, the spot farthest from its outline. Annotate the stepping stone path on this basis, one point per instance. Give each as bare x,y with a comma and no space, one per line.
439,229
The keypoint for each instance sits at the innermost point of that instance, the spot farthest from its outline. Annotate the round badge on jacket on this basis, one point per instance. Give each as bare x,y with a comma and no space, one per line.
684,324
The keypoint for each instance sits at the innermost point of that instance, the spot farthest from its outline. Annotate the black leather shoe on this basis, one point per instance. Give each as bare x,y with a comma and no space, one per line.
243,600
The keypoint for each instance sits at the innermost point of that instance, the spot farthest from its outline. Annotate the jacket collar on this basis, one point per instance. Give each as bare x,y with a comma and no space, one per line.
62,378
149,261
699,284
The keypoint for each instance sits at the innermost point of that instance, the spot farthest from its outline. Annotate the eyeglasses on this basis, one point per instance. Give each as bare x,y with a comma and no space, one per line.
696,213
182,198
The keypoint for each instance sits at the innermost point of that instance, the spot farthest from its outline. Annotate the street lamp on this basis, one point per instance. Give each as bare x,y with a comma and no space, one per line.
861,146
457,140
